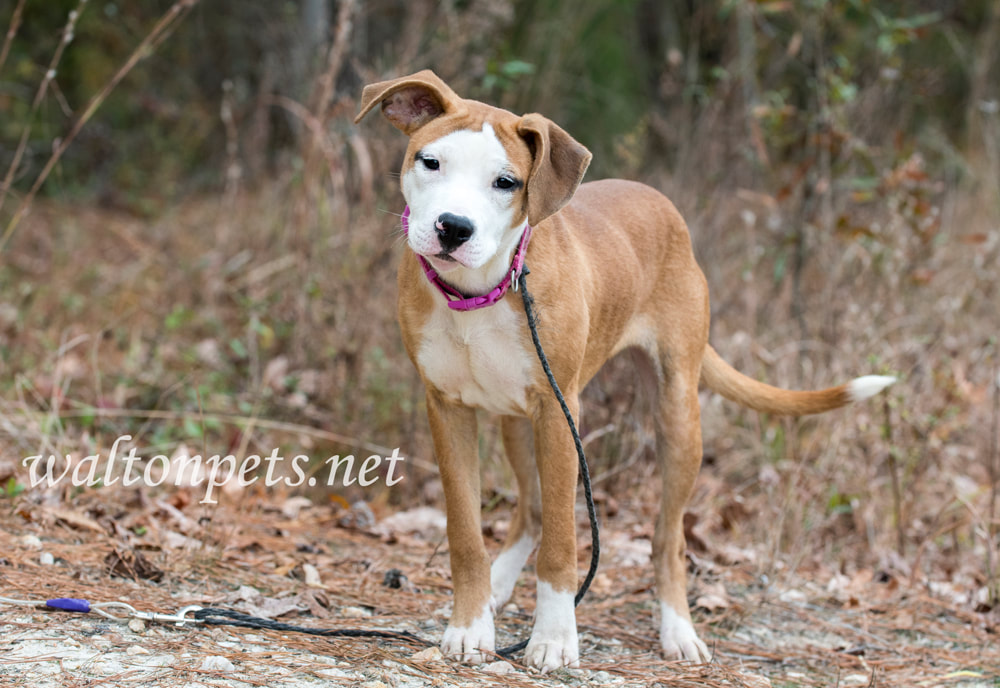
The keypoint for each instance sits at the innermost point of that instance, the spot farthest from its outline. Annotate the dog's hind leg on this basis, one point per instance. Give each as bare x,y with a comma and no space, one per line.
518,442
679,446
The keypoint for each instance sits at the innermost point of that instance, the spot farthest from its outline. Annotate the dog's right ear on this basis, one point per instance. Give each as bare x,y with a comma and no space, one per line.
410,102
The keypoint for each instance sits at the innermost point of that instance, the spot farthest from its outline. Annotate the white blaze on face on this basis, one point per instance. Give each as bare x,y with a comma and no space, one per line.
464,184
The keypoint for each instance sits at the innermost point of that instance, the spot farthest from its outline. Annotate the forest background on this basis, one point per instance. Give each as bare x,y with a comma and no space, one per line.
198,246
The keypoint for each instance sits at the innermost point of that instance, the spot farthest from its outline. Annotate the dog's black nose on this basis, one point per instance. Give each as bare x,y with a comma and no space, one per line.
453,230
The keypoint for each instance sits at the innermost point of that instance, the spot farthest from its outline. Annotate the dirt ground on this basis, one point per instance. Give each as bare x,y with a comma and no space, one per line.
327,565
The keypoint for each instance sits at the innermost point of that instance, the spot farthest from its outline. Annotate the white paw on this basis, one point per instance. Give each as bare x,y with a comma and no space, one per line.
678,638
549,654
506,569
553,642
474,643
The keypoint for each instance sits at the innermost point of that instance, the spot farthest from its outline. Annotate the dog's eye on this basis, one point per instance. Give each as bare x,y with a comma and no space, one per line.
431,163
505,183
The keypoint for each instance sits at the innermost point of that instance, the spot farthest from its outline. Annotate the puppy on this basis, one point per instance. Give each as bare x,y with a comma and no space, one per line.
611,268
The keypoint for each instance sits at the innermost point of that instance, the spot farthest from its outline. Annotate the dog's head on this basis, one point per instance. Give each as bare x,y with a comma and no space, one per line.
473,174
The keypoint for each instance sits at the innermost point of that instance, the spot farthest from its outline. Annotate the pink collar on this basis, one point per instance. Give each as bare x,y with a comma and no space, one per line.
458,301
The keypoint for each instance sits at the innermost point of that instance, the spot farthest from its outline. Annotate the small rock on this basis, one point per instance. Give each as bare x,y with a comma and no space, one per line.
431,654
137,626
217,663
31,541
160,661
106,667
355,613
209,352
293,506
373,684
499,668
360,516
601,678
395,579
134,650
792,596
310,575
46,559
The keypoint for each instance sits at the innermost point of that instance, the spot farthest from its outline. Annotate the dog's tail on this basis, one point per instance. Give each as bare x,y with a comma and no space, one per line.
721,377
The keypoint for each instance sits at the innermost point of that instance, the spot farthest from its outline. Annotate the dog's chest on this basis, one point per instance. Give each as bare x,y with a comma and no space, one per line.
478,358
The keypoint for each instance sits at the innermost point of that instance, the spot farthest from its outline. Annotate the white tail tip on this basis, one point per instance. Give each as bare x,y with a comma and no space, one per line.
868,386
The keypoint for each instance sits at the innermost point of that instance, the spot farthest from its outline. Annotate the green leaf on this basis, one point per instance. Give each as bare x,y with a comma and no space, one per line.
517,68
192,428
238,347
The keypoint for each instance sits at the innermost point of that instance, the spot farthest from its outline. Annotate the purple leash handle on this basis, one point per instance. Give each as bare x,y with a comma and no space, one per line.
69,604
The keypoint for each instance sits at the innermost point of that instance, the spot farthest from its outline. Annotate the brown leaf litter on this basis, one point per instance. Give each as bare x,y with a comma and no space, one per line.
326,566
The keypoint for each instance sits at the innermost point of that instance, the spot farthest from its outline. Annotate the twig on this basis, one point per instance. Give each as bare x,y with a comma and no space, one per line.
323,96
994,472
321,138
15,23
335,58
43,88
897,499
162,29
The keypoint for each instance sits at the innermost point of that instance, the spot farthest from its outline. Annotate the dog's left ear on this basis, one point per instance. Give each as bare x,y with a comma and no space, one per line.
410,102
558,168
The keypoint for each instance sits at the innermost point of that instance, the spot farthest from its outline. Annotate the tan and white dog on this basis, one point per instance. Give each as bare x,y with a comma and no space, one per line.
611,268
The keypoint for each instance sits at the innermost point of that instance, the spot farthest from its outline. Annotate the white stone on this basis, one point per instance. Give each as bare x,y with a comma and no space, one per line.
500,668
217,663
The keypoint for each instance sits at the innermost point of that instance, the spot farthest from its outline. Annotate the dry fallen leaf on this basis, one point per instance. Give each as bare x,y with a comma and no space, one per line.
75,519
132,564
431,654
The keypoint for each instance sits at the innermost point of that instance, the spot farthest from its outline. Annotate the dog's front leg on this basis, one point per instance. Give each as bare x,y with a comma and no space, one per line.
470,634
554,642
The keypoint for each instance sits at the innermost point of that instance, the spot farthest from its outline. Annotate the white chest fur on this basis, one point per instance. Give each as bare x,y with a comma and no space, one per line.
479,357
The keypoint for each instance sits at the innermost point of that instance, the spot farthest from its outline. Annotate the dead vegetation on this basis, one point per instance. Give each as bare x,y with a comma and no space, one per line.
857,548
311,565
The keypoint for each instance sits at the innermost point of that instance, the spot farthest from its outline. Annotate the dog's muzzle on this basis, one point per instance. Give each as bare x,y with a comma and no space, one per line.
452,231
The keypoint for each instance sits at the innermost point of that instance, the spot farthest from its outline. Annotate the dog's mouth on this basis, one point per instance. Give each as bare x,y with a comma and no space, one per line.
444,262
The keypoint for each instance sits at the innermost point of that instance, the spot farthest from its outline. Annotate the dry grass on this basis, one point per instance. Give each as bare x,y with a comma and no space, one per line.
272,335
263,317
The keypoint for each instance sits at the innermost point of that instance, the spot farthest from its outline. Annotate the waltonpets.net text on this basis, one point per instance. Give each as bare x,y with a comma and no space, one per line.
214,472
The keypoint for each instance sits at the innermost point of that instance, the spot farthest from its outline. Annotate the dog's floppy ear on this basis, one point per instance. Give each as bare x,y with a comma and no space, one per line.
558,167
409,102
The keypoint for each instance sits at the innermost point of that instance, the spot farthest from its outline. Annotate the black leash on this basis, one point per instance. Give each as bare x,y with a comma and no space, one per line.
226,617
595,534
214,616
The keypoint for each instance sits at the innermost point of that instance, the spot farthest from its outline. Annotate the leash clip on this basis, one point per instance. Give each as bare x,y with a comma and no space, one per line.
513,278
179,619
